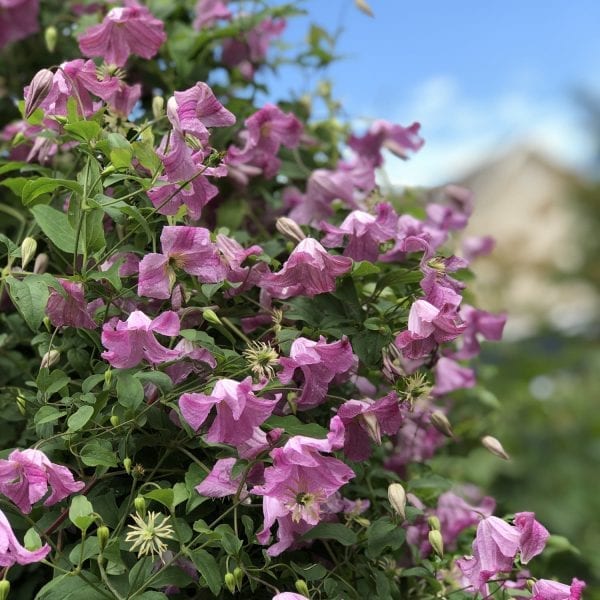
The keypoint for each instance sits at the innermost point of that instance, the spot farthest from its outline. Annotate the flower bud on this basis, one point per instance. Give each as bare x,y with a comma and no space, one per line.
301,587
437,542
230,582
50,37
21,403
127,464
4,589
140,506
158,106
397,498
239,577
28,248
491,444
211,316
41,264
114,420
103,534
290,229
434,523
38,90
50,359
440,421
373,429
107,377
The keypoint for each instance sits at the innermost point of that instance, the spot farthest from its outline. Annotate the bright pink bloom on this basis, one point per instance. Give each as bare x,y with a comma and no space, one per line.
533,535
382,134
299,484
188,249
544,589
124,31
450,376
18,19
208,12
365,421
365,232
129,342
26,475
239,411
71,310
319,363
11,551
308,271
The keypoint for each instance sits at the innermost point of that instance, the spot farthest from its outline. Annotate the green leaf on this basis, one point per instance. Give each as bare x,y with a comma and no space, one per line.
91,548
56,226
83,130
50,382
230,214
32,540
35,188
147,157
81,512
332,531
165,496
48,414
67,587
130,392
158,378
98,453
363,268
293,426
79,418
30,297
208,568
231,543
94,230
121,158
384,534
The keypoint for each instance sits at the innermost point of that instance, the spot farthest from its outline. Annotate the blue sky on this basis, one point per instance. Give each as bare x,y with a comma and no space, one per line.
479,76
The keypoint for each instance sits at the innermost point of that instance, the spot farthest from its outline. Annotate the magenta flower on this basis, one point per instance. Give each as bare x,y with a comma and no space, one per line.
18,19
129,342
11,551
71,309
544,589
239,411
450,376
319,363
365,232
308,271
188,249
365,421
208,12
299,484
26,475
124,31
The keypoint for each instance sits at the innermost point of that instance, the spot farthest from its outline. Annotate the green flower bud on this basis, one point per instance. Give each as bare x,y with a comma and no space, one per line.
211,316
127,465
494,446
103,534
4,589
140,506
114,420
440,421
434,523
301,587
230,582
50,359
38,90
50,37
21,403
437,542
107,377
158,106
28,248
397,498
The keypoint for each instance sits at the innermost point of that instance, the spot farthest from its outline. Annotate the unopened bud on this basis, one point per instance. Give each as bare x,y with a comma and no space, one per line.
158,106
494,446
301,587
127,465
140,506
28,248
50,359
239,577
373,429
50,37
440,421
103,534
211,316
38,90
107,377
230,582
41,264
437,542
115,421
4,589
397,498
434,523
21,404
290,229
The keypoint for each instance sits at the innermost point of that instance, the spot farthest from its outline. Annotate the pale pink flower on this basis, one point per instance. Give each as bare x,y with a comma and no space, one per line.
208,12
451,376
26,475
544,589
12,552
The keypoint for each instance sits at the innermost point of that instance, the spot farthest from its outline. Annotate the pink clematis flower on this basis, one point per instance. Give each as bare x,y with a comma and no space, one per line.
308,271
289,596
478,322
124,31
26,475
18,19
319,363
208,12
129,342
219,483
365,421
299,485
451,376
12,552
71,310
187,248
239,411
544,589
533,535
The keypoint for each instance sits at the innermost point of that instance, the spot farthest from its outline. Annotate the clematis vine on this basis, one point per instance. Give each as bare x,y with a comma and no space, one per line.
69,309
